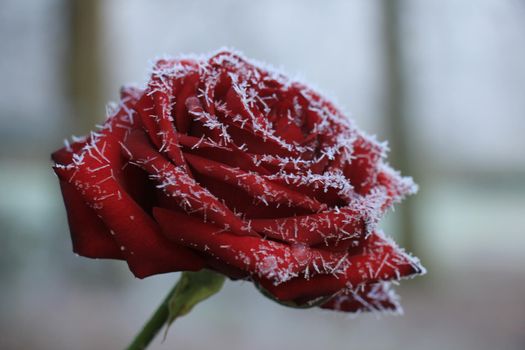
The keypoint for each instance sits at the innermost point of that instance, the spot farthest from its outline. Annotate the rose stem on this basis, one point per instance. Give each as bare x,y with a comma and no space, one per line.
154,324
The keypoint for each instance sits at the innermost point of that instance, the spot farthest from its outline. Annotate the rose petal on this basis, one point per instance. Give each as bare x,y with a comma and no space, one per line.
97,175
362,170
254,184
230,155
341,224
267,259
184,89
154,111
378,297
89,234
381,260
396,186
176,183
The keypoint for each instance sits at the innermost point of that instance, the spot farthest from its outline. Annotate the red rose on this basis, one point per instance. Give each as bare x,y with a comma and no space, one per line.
221,163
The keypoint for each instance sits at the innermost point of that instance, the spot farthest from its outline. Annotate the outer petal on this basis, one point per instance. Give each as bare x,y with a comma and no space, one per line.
176,182
381,260
379,297
261,258
97,176
89,234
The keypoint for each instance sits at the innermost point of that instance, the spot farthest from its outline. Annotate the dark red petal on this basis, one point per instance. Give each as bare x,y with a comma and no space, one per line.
291,165
396,186
263,258
229,155
176,183
380,260
286,129
237,102
362,170
339,224
89,234
97,176
184,89
260,188
65,154
257,142
206,123
254,255
138,237
378,297
154,111
226,269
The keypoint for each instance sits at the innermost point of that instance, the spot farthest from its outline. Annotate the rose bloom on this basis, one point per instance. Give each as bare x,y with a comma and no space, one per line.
225,164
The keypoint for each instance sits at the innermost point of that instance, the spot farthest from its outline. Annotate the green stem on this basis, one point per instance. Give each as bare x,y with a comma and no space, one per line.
154,324
192,288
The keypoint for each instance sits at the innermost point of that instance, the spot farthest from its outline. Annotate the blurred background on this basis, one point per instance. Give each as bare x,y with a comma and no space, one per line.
442,80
